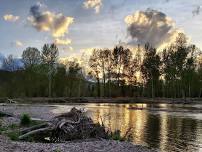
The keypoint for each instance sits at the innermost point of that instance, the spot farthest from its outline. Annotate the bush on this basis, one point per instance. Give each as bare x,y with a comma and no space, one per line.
25,120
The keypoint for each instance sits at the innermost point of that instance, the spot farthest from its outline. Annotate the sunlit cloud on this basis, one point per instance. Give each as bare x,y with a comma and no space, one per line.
93,4
11,18
17,43
44,20
59,41
151,26
71,48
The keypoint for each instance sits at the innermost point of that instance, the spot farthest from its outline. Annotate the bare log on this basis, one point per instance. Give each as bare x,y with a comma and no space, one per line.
43,125
4,114
69,126
34,132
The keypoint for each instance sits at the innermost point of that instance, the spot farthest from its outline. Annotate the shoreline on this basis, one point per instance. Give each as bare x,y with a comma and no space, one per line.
7,145
44,112
120,100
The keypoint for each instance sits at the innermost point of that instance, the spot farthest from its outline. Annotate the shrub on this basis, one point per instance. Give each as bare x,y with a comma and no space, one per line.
116,135
25,120
13,135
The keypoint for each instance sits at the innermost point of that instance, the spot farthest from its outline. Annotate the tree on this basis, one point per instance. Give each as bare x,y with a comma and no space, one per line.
95,68
121,60
151,67
108,69
31,56
179,66
74,74
60,81
131,74
49,56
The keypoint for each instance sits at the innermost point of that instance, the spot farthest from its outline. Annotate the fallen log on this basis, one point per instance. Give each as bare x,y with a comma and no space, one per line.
5,114
69,126
34,132
43,125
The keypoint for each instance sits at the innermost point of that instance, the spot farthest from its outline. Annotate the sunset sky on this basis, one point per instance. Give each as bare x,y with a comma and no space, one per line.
78,25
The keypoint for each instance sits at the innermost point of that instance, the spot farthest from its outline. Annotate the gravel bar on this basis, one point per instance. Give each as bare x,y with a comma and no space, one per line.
83,146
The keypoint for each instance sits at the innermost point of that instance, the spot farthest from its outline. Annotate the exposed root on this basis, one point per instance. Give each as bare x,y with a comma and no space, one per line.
69,126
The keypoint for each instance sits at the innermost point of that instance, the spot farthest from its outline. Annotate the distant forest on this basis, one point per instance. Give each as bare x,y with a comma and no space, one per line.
174,72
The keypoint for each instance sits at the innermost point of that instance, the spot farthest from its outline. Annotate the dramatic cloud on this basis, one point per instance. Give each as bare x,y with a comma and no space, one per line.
11,18
151,26
62,41
95,4
57,24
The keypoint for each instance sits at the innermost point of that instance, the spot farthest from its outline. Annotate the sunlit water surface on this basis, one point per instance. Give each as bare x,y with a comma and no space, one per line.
164,131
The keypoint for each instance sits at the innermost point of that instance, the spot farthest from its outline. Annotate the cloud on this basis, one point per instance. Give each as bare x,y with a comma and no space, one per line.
196,10
151,26
62,41
94,4
71,48
11,18
18,43
44,20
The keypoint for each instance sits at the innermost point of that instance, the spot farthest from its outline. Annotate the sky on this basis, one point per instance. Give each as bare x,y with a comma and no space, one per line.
77,26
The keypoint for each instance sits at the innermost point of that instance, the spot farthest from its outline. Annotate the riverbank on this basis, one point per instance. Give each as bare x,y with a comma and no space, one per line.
7,145
122,117
103,100
46,113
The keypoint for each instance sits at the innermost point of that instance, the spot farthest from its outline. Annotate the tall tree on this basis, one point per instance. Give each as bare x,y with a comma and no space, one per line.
121,60
49,56
94,64
31,56
151,68
178,65
74,74
108,68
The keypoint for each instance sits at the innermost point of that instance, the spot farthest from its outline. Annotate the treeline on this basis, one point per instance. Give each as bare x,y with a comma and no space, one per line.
175,72
42,75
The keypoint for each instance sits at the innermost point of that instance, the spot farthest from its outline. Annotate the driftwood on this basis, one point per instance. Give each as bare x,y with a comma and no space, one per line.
69,126
5,114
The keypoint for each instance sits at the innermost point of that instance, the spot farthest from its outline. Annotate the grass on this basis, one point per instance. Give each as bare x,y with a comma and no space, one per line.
13,135
25,120
13,130
57,150
116,135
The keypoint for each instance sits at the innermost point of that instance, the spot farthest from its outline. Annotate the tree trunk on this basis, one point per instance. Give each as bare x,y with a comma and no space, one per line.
79,91
49,86
104,79
189,90
152,88
98,87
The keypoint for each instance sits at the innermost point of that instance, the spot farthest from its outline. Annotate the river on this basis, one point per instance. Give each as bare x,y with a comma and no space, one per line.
176,128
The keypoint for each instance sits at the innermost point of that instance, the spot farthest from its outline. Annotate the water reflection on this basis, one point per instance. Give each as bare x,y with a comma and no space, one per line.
164,131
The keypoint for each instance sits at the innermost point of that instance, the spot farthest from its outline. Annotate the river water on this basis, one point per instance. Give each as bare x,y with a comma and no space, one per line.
176,128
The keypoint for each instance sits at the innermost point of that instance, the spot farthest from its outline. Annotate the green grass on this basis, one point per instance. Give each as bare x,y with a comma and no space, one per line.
13,130
57,150
25,120
116,135
13,135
